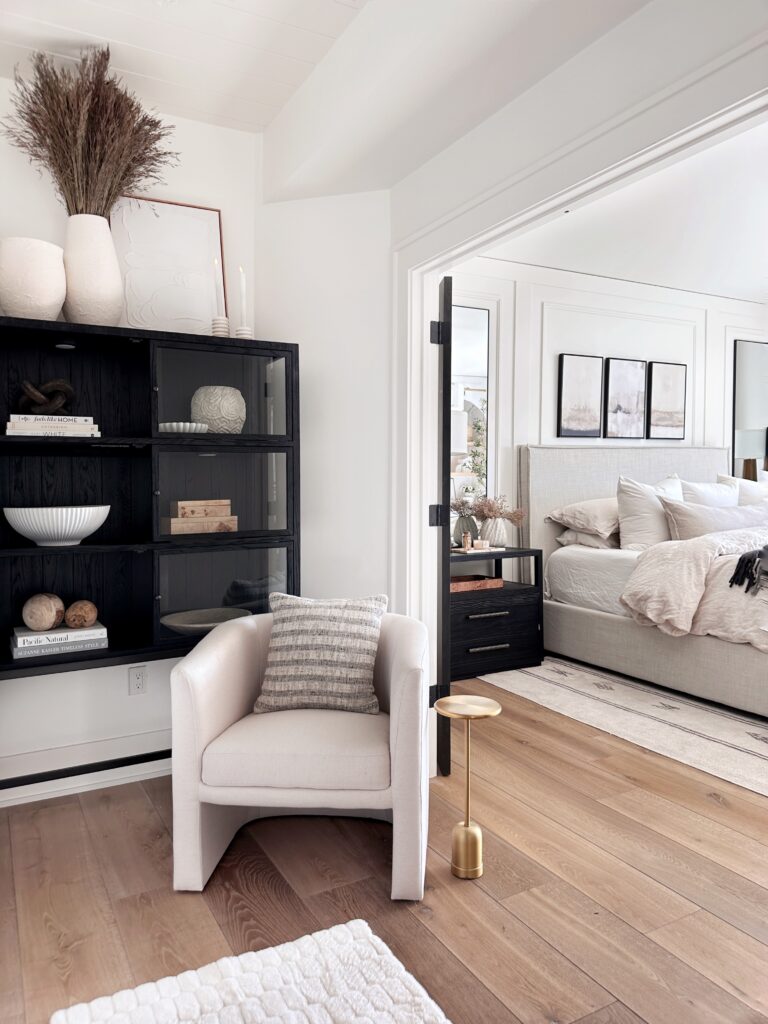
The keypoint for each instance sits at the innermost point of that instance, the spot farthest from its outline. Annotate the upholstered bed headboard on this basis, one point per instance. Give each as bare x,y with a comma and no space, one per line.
550,476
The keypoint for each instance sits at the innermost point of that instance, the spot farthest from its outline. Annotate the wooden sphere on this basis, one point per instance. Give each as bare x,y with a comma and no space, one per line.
81,614
43,611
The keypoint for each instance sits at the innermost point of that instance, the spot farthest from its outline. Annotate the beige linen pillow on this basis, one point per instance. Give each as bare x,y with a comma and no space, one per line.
687,521
723,494
321,654
598,516
587,540
642,521
750,492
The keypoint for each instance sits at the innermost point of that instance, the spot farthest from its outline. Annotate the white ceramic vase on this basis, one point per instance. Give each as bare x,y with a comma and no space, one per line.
94,281
495,532
221,407
32,281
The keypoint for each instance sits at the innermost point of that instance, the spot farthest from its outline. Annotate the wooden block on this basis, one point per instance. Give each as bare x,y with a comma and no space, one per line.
212,507
220,524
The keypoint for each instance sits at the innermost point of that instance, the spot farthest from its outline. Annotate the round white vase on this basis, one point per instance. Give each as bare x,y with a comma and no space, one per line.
221,407
495,532
32,281
94,281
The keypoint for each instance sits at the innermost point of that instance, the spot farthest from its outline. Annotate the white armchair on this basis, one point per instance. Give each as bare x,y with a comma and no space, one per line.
230,765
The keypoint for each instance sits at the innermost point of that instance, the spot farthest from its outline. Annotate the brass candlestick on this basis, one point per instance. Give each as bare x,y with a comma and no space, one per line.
467,839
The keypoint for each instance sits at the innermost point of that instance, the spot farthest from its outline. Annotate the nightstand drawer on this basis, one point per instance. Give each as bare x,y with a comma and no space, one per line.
480,618
496,654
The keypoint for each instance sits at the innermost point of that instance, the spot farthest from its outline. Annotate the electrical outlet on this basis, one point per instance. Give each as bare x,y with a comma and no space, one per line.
137,680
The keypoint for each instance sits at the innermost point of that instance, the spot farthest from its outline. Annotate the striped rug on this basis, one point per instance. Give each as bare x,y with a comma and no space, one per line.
729,744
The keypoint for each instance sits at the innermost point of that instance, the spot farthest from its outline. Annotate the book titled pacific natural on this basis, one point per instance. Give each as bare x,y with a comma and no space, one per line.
26,643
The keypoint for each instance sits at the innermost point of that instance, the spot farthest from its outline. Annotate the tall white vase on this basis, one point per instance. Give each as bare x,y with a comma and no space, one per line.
94,281
32,282
495,532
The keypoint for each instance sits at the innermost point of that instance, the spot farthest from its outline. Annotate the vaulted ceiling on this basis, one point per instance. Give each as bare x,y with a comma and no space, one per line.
229,62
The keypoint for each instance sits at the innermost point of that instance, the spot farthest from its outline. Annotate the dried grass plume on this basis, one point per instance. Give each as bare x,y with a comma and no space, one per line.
92,136
497,508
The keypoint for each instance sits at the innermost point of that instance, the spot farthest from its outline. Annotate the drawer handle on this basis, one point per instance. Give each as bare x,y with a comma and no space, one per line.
488,615
489,647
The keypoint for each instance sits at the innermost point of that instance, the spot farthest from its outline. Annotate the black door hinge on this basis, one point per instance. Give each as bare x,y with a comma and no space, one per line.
437,332
439,515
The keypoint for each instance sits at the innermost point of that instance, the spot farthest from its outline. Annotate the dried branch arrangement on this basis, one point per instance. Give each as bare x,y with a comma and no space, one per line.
92,136
497,508
461,506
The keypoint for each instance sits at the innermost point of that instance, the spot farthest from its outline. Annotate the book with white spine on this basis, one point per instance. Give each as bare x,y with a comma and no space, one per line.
25,637
24,417
52,649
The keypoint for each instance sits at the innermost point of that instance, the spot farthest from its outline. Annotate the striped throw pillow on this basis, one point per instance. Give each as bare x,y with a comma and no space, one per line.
321,654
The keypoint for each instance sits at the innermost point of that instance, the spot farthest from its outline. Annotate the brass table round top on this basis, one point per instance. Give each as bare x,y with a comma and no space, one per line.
465,705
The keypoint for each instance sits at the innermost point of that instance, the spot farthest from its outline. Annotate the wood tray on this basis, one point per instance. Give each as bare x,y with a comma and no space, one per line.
462,583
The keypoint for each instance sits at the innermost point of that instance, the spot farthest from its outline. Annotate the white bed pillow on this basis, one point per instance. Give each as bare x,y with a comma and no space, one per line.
687,521
587,540
723,494
750,493
642,521
597,516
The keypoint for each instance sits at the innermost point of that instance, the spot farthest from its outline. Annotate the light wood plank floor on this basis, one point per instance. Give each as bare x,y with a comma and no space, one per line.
621,887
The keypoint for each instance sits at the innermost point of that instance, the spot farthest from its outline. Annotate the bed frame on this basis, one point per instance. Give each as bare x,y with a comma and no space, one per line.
551,476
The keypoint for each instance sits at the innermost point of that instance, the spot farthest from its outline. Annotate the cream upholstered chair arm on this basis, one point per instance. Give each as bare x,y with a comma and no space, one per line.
402,686
218,682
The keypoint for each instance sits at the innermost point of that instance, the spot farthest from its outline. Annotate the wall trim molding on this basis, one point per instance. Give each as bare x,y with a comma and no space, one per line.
83,783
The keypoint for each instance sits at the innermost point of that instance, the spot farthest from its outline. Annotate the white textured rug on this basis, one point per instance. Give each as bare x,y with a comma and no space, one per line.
343,975
725,743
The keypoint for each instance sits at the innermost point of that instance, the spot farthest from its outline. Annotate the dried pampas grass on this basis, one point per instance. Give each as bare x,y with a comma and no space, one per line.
92,136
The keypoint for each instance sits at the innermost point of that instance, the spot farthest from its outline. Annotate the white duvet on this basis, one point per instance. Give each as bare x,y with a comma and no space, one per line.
681,586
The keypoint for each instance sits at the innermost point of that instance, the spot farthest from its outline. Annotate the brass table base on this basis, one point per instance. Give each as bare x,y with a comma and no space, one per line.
467,839
467,850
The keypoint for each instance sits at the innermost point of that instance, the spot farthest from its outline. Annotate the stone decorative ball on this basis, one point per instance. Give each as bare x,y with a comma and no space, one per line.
81,615
42,612
222,408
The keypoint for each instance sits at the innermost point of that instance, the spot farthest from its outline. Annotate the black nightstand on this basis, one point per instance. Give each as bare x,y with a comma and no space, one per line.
497,629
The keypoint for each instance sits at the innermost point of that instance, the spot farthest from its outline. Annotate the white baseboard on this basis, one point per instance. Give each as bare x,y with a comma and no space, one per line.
83,783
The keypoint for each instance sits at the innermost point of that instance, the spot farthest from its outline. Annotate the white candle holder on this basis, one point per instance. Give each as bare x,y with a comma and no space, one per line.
244,332
220,327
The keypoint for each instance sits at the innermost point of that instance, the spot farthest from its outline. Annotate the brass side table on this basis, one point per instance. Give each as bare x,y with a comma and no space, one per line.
467,841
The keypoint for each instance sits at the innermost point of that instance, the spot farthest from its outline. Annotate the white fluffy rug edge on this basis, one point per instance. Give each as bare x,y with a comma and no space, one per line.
336,976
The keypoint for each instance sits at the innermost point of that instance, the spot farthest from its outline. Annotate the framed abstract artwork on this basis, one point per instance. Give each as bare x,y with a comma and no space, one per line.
624,414
172,263
579,396
665,419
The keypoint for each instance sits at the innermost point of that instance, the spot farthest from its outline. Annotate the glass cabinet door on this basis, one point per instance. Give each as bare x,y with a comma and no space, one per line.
202,492
227,390
200,589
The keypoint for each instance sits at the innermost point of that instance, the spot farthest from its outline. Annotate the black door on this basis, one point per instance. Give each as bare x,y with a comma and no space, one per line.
440,518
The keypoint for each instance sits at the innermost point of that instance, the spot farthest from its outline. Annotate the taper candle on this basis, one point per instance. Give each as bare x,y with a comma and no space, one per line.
218,284
243,303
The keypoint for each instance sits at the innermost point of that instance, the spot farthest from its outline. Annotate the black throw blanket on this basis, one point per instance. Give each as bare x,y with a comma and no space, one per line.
751,570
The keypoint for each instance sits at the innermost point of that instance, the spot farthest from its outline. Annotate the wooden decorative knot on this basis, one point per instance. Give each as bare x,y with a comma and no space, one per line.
46,399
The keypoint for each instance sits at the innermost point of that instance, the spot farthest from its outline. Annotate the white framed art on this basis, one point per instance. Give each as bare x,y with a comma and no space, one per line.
172,262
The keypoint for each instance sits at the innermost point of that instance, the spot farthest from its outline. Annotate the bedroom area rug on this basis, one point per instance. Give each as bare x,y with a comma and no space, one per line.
342,974
729,744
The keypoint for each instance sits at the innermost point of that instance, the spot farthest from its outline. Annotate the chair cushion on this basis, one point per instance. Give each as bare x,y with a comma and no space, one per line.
321,654
304,749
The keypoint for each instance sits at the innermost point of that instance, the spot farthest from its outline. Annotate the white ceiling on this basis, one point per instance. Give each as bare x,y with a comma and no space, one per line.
700,225
228,62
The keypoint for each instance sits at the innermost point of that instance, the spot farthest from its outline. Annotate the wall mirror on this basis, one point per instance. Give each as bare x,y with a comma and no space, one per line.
469,401
750,410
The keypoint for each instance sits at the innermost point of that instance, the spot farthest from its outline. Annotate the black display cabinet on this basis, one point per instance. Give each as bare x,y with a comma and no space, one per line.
134,568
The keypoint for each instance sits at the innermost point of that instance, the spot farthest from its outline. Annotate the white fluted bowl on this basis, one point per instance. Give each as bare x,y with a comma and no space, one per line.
59,526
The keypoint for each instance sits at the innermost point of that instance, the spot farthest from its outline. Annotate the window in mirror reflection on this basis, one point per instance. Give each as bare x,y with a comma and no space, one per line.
469,402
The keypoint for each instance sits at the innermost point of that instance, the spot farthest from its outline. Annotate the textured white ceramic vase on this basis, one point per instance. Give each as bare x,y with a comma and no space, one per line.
94,281
221,407
495,532
32,282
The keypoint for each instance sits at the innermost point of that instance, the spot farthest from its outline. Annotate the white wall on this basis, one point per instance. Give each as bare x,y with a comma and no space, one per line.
542,313
323,280
51,721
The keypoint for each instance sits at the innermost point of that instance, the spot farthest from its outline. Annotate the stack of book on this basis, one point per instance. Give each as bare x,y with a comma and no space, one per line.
31,425
26,643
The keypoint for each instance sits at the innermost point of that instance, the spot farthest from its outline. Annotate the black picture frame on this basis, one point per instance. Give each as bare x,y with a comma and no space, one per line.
649,429
562,368
640,432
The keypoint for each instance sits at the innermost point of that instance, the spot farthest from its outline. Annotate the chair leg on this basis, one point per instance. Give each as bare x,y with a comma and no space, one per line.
201,834
409,849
